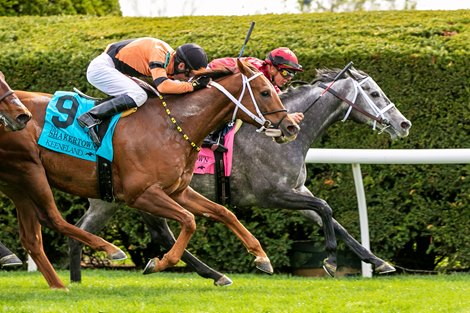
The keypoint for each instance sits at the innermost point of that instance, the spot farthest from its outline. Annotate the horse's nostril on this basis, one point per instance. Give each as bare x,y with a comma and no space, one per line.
23,118
293,129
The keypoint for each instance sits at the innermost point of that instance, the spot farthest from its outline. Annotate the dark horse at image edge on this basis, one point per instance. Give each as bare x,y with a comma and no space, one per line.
270,176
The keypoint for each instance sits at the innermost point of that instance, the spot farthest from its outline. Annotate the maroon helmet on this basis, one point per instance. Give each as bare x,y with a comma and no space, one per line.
284,58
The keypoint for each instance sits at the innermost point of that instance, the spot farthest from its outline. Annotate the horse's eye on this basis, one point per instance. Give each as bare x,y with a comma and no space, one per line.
265,93
375,94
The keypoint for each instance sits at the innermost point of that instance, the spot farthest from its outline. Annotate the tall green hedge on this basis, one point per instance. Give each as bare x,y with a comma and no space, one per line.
59,7
419,214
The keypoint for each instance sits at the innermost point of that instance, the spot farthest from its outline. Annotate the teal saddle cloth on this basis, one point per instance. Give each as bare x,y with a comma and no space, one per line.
61,132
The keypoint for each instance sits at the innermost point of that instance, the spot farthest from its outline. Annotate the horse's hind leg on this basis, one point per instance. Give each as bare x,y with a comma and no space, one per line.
162,234
380,266
8,258
49,215
31,239
94,219
198,204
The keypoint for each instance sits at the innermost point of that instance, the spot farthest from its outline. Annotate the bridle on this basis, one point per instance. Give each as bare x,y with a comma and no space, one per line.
3,117
7,120
260,116
379,113
266,125
358,90
6,94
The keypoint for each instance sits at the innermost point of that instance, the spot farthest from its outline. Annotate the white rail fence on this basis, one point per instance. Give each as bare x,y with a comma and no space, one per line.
355,157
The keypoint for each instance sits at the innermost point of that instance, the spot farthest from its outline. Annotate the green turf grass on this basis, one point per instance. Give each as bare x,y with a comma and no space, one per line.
130,291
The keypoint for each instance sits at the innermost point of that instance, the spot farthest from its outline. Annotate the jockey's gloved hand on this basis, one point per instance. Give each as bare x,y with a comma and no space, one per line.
200,82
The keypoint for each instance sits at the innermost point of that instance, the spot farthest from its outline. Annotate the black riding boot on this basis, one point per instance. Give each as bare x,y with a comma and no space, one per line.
103,111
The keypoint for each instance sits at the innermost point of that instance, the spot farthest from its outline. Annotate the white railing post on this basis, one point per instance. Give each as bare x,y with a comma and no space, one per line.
32,267
363,219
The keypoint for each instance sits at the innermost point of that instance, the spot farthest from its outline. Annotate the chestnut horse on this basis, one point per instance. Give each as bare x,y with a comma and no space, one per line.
158,188
13,116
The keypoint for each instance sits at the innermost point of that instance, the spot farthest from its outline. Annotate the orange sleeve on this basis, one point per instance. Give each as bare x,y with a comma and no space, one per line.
174,86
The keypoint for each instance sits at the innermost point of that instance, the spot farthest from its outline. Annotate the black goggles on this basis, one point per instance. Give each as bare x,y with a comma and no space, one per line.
286,73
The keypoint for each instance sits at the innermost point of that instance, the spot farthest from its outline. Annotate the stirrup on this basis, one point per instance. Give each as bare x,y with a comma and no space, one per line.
87,121
213,145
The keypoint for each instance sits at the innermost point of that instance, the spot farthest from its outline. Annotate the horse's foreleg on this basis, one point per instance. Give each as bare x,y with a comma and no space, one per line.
31,239
94,219
157,203
380,266
161,233
198,204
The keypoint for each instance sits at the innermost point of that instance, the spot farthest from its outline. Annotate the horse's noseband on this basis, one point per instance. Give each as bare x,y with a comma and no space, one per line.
379,118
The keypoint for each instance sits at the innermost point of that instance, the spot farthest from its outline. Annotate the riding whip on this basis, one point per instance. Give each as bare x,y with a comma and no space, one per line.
247,38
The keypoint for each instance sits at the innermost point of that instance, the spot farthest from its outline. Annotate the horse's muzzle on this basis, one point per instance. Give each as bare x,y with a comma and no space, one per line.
16,124
283,134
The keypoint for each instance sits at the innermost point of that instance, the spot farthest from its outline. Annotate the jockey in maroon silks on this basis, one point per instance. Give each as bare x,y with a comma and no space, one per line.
279,67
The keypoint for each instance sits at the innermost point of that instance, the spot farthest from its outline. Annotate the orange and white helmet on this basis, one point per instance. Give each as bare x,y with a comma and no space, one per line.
284,58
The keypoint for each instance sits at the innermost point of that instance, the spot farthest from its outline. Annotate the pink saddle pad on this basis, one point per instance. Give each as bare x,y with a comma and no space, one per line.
205,163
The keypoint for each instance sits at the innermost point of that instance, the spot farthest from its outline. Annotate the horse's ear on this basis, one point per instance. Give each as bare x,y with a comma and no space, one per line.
2,76
244,69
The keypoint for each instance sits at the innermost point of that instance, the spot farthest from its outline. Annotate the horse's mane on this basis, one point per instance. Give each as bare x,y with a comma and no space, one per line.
327,74
214,73
223,71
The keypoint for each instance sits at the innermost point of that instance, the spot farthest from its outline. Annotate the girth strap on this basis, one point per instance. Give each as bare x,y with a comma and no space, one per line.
104,167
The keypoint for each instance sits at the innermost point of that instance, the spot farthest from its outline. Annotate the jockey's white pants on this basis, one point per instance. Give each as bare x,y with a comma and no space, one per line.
102,74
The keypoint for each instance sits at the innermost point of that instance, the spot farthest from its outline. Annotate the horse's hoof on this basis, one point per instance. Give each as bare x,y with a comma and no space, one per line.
151,266
223,281
385,268
10,260
117,256
329,267
263,264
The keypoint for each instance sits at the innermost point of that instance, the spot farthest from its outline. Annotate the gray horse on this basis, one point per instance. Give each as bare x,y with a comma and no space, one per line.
356,97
